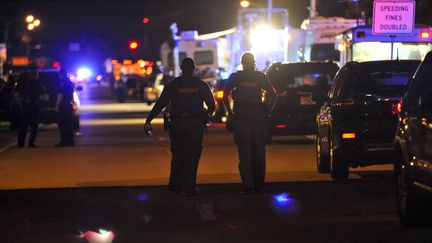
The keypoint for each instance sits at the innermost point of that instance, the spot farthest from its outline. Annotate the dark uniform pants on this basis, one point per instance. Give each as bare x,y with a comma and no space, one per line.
250,136
28,117
186,136
64,121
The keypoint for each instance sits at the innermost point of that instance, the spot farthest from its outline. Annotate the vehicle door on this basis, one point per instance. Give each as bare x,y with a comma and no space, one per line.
415,122
424,160
343,113
325,112
324,116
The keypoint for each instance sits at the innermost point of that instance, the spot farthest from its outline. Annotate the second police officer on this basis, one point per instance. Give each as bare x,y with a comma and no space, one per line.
28,93
250,113
185,96
64,109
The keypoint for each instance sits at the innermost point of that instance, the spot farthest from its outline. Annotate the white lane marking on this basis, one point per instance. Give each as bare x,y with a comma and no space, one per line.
7,147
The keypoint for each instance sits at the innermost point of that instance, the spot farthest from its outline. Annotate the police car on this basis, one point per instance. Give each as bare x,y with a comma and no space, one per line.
50,78
301,89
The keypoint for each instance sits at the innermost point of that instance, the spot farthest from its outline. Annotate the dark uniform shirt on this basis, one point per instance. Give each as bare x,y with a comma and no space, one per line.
247,87
186,96
29,89
66,89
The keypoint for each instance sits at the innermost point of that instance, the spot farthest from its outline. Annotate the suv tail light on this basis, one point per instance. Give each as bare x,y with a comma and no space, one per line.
219,94
397,108
74,106
348,135
281,126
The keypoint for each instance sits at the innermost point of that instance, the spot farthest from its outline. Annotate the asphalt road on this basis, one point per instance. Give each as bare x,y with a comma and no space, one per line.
114,179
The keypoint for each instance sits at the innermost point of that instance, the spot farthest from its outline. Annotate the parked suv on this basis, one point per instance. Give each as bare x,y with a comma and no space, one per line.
414,143
357,124
301,89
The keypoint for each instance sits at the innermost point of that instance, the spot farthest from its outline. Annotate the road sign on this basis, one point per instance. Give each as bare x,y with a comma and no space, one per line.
393,17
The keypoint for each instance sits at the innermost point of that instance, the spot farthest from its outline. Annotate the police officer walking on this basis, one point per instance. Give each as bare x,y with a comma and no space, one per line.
250,113
27,93
64,110
185,95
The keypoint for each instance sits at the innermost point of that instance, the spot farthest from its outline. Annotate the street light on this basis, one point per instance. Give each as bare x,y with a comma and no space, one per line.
30,26
32,22
244,4
29,18
36,22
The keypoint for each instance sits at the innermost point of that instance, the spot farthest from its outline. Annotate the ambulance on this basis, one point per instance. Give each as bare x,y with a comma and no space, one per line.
217,54
319,37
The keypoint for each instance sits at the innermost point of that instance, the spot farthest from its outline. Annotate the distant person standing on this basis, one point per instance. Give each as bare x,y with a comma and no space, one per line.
27,94
64,109
120,87
185,95
250,115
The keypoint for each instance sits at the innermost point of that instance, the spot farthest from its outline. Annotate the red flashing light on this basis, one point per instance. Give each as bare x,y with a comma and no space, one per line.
361,34
56,65
133,45
425,34
146,20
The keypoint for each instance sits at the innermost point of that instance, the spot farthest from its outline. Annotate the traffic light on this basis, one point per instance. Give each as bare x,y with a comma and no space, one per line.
133,45
146,20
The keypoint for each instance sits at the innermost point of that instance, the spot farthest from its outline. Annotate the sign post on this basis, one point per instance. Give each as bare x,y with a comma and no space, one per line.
393,18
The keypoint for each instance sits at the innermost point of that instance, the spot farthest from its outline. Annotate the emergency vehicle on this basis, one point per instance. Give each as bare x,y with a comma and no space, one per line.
319,37
359,44
128,67
133,77
261,31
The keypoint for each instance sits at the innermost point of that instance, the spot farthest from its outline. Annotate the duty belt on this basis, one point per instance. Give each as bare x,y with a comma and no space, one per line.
184,115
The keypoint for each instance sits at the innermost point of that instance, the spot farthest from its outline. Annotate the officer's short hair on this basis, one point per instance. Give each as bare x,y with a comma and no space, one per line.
187,64
248,59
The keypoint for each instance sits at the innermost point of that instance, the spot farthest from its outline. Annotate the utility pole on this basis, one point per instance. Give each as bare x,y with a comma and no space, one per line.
269,11
312,9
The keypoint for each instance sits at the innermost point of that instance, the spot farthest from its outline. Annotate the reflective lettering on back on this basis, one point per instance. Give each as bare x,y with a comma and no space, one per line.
248,84
188,90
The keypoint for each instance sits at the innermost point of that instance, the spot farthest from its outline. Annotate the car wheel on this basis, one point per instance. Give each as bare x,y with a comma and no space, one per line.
338,170
322,157
413,211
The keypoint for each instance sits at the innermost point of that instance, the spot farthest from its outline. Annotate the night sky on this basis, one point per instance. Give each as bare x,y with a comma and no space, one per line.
107,26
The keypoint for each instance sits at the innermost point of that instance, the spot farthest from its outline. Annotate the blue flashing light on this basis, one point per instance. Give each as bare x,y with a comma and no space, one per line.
83,73
282,198
224,75
282,203
142,197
